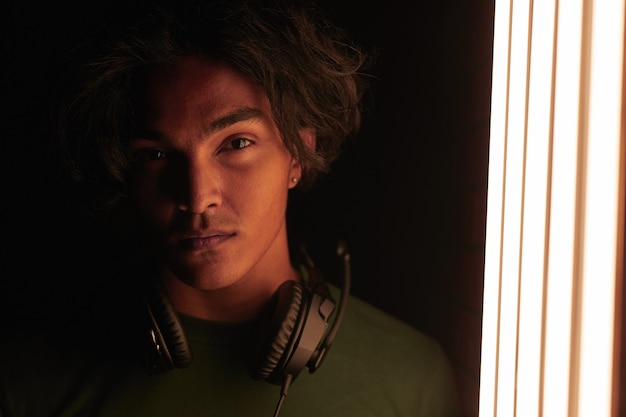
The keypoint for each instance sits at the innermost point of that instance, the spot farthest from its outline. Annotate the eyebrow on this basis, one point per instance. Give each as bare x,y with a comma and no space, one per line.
239,115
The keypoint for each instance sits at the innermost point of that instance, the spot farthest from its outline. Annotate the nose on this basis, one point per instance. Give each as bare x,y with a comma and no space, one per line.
201,187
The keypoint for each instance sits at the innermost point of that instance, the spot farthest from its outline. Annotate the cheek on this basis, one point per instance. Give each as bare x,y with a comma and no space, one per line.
151,204
263,192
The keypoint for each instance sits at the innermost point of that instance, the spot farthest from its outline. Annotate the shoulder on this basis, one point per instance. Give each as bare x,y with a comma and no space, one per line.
366,324
385,364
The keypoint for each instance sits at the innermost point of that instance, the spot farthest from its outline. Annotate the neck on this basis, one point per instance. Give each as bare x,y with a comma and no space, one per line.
239,302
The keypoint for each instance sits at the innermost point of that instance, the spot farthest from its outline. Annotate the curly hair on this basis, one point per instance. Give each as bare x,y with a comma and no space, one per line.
312,74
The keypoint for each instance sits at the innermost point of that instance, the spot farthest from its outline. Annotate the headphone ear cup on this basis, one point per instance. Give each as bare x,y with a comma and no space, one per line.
280,326
169,339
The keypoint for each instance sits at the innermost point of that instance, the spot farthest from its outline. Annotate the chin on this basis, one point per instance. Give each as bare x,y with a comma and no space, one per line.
204,277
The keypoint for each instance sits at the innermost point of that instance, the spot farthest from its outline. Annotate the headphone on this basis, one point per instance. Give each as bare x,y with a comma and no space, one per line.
292,335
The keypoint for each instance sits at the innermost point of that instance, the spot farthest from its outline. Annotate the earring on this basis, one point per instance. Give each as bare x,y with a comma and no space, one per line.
294,179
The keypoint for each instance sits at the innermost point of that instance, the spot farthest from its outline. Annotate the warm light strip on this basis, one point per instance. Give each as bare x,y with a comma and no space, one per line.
536,208
601,193
562,256
495,208
552,208
511,231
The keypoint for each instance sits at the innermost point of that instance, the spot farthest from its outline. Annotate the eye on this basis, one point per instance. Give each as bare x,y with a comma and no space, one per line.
149,154
238,144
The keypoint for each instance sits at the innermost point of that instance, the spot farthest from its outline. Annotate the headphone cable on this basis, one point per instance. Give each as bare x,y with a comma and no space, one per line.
343,253
283,393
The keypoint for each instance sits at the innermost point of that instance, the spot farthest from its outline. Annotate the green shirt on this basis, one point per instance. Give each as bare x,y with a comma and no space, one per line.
377,366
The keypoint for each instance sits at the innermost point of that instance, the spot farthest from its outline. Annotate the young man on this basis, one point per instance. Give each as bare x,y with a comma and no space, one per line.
185,136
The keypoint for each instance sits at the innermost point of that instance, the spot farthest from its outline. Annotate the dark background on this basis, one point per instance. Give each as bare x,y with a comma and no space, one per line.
413,186
408,195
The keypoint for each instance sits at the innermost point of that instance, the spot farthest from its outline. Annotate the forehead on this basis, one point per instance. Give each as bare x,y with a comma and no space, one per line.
193,86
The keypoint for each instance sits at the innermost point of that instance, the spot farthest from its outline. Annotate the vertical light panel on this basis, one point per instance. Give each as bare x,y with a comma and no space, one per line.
553,208
601,193
536,214
562,230
495,209
512,224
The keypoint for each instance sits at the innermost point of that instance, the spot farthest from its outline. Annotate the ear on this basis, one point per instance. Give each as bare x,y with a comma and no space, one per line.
309,138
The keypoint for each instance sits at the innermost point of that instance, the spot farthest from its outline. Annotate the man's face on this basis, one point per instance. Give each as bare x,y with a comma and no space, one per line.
212,174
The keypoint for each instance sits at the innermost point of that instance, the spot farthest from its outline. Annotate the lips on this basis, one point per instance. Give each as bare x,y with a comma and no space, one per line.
205,240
